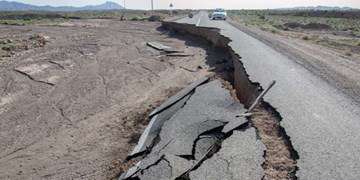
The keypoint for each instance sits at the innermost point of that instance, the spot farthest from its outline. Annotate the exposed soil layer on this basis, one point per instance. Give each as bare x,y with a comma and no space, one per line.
74,108
279,162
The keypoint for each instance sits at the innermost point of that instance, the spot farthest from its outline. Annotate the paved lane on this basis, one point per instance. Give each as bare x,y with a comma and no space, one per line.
322,122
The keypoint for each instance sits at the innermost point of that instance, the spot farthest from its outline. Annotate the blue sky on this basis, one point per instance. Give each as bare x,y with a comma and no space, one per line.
197,4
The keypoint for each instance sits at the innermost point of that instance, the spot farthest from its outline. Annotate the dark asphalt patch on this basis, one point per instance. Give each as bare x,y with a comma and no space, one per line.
187,135
240,157
161,114
172,100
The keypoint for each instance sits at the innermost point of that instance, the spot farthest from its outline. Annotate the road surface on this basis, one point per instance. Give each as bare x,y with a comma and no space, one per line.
322,122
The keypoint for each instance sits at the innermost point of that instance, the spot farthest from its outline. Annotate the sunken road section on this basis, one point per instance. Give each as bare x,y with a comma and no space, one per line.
190,143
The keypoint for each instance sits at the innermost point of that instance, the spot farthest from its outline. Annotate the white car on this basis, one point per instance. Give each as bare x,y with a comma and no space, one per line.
219,14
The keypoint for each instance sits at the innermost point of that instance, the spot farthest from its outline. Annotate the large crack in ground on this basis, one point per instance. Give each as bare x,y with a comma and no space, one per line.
279,154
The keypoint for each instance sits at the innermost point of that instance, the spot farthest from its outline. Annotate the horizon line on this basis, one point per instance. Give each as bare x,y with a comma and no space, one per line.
109,1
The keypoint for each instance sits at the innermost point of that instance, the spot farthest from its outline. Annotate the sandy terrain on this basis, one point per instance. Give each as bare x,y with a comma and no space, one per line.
73,108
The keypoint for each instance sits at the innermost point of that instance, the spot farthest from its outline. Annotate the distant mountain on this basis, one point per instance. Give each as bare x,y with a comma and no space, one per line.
321,8
16,6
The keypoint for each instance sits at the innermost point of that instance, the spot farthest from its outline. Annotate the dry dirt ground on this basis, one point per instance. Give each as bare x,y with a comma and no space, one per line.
73,108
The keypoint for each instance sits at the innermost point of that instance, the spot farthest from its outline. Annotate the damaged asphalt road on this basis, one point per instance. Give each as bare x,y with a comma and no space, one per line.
187,135
321,121
158,117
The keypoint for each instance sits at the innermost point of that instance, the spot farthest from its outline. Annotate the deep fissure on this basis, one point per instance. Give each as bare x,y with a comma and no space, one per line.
280,156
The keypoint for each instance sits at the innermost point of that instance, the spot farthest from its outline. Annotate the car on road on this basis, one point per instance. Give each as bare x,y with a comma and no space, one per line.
191,15
219,14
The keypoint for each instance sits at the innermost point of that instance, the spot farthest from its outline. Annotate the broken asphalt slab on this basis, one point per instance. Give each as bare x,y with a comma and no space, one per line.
179,95
153,129
193,129
161,114
240,157
209,107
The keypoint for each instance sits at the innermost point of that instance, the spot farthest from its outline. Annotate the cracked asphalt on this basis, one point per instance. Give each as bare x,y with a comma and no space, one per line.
320,119
193,132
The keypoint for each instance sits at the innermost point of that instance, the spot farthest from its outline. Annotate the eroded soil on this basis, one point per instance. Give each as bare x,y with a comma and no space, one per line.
73,108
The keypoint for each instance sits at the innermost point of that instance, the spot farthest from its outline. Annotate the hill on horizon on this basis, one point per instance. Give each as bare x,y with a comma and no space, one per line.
320,8
17,6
